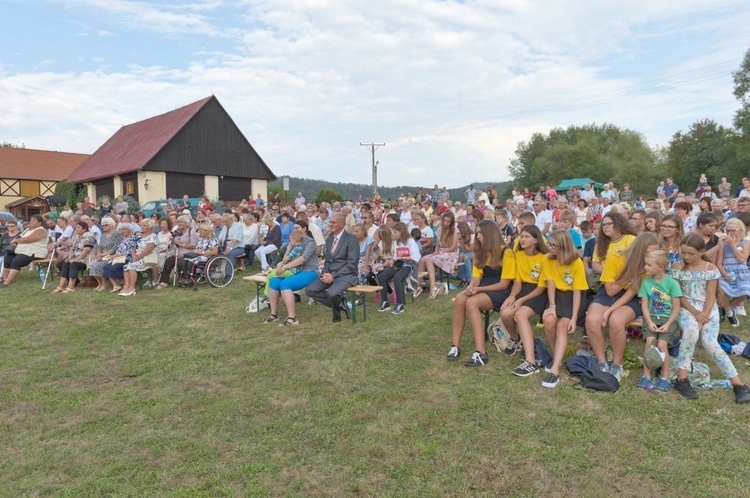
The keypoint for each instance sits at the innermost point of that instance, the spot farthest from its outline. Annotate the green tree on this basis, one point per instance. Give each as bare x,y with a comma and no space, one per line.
706,147
600,152
278,189
328,195
742,116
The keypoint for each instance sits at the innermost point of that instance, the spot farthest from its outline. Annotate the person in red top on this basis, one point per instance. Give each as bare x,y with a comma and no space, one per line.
551,194
205,205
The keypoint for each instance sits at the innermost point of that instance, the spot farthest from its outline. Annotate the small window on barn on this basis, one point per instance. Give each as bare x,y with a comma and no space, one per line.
29,188
129,188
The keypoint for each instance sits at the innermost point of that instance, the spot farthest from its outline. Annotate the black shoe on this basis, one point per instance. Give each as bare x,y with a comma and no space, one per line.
513,346
741,393
477,360
733,320
454,353
297,298
683,387
345,308
384,306
525,369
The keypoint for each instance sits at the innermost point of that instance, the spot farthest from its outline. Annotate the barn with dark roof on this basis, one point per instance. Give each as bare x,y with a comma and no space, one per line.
193,150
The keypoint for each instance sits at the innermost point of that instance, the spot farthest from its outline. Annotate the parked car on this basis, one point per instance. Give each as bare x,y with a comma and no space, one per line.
160,205
7,216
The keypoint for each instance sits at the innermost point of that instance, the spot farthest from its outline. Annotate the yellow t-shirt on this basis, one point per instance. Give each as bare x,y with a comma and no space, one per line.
529,268
566,277
616,247
508,271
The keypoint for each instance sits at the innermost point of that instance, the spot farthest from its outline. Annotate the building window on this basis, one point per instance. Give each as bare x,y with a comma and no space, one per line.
129,188
29,188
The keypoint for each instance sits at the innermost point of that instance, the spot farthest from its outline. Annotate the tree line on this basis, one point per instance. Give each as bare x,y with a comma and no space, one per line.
605,152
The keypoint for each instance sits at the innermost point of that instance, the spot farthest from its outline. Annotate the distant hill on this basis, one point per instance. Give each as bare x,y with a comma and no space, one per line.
310,188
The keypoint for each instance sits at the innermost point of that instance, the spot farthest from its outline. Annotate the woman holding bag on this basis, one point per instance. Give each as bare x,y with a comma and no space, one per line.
32,244
142,256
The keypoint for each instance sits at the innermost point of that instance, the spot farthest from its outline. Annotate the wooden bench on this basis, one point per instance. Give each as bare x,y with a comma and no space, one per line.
145,275
260,281
361,290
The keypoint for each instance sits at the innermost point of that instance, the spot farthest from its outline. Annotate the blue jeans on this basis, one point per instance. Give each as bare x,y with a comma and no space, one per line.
232,255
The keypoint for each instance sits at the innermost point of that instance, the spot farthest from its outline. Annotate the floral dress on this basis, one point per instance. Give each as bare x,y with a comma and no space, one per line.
694,286
204,245
106,243
739,285
446,261
140,265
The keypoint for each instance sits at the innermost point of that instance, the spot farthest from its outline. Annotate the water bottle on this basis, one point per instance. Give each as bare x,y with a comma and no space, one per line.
720,383
42,273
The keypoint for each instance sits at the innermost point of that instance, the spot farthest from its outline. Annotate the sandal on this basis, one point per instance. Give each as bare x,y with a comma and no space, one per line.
271,318
58,290
433,294
418,291
162,286
68,290
116,289
290,321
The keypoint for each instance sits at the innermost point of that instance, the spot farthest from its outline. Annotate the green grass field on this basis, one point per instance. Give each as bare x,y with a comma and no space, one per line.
181,393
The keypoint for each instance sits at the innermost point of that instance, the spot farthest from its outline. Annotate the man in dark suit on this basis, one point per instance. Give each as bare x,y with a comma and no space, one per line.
339,270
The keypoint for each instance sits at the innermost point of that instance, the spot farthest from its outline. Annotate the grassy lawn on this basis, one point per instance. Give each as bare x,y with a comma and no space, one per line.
180,393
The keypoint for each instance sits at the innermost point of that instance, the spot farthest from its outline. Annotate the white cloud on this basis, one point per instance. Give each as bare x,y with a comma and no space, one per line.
451,87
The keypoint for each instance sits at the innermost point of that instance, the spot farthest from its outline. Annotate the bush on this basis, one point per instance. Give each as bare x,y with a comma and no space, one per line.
74,193
133,206
328,195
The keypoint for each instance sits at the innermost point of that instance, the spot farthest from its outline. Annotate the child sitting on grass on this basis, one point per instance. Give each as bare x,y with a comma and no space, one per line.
660,302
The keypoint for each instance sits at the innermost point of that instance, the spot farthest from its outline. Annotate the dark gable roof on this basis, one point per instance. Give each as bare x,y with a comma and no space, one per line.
30,164
133,146
146,144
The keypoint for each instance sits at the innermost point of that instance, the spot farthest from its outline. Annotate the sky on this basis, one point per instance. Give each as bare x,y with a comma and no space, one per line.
450,87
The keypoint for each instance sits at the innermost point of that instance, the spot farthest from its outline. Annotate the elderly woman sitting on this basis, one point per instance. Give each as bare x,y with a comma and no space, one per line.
21,251
77,261
206,247
108,243
141,258
113,271
184,241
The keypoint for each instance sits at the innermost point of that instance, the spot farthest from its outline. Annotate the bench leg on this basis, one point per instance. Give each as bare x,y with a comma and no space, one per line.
353,302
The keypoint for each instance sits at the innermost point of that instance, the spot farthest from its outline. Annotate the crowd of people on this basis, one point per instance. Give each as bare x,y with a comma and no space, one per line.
599,260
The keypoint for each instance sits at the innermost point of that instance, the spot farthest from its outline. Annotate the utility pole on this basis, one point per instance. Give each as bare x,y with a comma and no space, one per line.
373,147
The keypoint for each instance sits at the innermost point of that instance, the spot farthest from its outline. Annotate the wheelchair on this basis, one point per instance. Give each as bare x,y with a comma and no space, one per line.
218,271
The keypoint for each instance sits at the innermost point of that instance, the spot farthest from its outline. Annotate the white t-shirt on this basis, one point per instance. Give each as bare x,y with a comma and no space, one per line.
250,234
587,195
542,219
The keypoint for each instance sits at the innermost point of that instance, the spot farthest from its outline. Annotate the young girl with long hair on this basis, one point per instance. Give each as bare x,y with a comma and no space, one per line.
404,258
492,274
614,238
671,233
526,298
445,255
699,317
731,261
564,277
465,252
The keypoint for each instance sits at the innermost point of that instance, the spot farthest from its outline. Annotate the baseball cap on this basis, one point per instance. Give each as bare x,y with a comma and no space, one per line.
653,358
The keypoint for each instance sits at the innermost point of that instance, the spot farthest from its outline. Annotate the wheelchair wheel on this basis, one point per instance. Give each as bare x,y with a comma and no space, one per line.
219,271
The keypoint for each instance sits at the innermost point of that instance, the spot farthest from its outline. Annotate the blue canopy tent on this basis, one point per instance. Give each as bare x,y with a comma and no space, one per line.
565,185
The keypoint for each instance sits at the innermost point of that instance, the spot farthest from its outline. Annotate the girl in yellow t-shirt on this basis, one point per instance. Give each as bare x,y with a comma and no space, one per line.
526,298
564,277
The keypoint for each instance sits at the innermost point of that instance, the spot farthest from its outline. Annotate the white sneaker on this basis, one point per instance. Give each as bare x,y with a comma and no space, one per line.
740,311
